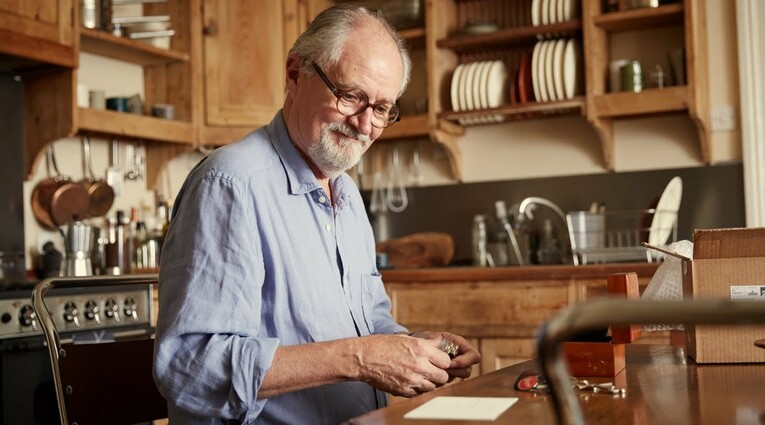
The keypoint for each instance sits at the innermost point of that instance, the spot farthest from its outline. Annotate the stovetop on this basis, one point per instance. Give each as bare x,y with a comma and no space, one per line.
75,309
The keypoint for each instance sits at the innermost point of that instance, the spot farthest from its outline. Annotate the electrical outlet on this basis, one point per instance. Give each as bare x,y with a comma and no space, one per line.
723,118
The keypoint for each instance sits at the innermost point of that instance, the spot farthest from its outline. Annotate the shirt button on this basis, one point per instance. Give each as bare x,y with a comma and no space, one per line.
328,227
322,199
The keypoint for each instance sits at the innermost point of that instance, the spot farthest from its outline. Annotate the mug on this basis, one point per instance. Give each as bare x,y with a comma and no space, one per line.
97,99
121,104
632,77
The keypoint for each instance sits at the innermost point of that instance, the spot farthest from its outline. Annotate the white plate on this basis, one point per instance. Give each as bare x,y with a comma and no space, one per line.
572,72
559,12
548,70
467,89
481,81
536,12
552,13
558,68
495,86
456,87
666,212
534,77
545,12
539,72
570,9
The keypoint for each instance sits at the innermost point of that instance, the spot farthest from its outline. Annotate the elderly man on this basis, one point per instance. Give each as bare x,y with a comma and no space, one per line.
272,309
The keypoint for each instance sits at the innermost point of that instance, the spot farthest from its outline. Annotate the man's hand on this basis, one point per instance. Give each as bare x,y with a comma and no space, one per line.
402,365
460,366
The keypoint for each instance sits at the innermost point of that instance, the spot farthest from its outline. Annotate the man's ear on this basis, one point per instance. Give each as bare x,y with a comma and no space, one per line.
293,70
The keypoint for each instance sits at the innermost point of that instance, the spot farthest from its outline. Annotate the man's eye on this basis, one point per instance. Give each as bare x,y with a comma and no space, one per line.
350,97
382,109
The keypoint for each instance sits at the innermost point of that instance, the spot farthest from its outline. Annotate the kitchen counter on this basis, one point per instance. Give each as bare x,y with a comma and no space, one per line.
663,387
499,310
448,274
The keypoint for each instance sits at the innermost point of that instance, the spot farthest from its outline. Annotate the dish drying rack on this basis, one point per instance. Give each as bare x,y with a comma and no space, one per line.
616,236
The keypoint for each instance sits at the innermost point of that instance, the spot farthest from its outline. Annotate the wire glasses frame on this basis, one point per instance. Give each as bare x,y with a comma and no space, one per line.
354,102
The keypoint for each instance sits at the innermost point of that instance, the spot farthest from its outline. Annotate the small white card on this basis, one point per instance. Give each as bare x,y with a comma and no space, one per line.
462,408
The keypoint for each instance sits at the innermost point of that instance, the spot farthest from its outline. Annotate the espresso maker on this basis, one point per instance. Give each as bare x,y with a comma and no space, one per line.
79,240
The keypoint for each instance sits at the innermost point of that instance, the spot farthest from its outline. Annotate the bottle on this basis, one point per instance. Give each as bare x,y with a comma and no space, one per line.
549,251
479,241
140,260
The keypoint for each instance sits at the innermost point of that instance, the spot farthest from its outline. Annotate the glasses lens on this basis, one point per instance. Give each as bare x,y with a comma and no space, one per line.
350,103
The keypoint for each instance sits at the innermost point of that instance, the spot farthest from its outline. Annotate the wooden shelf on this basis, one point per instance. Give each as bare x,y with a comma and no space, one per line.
104,44
641,19
535,110
650,101
409,127
133,126
510,37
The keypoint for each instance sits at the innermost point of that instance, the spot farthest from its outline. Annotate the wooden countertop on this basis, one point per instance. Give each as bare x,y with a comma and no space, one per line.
464,274
663,387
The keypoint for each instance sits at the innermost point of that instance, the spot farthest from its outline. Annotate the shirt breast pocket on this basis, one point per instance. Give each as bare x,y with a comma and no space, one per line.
370,286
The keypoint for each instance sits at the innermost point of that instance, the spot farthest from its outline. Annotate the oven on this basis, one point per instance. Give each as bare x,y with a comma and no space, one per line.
81,315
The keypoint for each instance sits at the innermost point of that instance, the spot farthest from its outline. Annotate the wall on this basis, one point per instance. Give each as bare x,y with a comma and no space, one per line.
565,146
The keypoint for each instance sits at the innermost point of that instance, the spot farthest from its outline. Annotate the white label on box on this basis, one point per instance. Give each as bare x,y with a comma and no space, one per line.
747,293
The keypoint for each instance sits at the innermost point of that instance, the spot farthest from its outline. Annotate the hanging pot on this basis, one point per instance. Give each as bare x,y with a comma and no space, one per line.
100,194
58,200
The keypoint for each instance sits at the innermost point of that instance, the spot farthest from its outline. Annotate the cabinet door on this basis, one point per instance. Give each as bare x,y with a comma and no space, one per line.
497,353
245,53
41,30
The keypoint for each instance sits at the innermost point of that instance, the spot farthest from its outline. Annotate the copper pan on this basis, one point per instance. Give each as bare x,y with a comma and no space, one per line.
101,195
58,200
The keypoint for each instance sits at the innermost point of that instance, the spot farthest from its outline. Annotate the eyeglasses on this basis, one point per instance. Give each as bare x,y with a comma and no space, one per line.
354,102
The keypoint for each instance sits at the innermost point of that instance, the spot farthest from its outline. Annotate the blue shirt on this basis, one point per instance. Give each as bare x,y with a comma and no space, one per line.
257,257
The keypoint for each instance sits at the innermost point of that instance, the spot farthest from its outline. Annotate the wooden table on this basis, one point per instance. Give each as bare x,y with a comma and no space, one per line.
663,387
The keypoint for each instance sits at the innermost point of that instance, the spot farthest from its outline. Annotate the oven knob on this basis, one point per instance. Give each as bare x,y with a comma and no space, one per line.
28,317
91,311
71,312
112,309
131,307
6,318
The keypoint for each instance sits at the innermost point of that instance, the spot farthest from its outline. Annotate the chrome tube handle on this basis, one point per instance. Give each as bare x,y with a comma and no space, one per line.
603,312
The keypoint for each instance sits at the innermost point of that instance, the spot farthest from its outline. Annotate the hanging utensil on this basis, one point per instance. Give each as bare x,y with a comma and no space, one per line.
114,177
415,175
130,153
58,200
100,193
396,193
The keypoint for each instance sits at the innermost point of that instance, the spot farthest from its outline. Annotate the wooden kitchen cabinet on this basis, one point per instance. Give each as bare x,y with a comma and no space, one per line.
450,47
39,30
500,309
243,47
50,94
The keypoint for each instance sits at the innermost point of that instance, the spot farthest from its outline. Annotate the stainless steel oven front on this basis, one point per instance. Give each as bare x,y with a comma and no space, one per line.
81,315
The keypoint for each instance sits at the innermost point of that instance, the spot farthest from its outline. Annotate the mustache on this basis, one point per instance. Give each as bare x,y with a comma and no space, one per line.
350,132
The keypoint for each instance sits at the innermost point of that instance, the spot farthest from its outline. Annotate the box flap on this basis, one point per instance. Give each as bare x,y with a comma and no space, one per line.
729,243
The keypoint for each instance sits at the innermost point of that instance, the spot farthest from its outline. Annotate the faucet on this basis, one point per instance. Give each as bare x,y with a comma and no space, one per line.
597,313
526,210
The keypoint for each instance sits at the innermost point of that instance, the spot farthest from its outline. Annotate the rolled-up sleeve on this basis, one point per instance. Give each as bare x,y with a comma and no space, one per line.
210,359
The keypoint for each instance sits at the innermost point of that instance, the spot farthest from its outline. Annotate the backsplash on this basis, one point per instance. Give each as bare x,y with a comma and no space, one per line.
713,197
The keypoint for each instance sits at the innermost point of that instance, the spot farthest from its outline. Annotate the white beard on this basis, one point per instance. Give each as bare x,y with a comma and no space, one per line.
333,157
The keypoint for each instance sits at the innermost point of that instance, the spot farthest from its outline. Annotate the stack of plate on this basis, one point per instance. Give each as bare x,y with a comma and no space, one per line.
546,12
556,68
155,30
479,85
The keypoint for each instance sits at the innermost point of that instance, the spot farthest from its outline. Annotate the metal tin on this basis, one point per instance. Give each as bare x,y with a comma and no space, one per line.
632,77
90,14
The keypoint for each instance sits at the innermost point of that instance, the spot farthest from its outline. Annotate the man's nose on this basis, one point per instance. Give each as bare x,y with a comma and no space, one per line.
363,121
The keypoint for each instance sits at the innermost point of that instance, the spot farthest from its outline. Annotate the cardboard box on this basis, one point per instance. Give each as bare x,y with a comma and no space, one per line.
728,264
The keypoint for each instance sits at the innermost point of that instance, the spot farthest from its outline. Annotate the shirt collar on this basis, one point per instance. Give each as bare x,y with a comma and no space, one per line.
299,175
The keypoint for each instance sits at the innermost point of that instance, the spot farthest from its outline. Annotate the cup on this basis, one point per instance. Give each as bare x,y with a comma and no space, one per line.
97,99
677,66
83,96
632,77
614,74
163,110
121,104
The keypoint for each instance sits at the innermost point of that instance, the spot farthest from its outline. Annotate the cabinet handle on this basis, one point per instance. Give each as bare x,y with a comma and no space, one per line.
210,29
